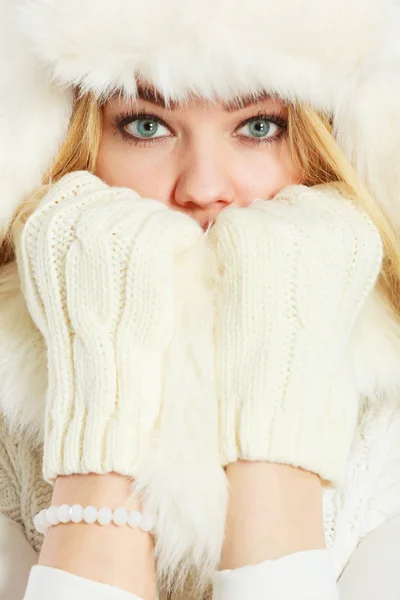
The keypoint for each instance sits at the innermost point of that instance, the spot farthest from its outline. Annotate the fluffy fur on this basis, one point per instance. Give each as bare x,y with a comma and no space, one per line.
23,366
34,115
376,350
185,473
341,56
206,46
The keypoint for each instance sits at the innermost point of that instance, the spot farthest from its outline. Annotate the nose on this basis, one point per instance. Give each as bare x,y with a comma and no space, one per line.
203,186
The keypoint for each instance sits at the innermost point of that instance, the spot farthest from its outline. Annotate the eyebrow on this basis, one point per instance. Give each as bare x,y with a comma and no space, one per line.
239,103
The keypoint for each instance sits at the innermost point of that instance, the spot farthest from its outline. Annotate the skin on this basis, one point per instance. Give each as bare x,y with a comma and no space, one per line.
204,159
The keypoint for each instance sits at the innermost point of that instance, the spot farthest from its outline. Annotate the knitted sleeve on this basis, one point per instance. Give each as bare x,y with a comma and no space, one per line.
9,486
23,492
17,553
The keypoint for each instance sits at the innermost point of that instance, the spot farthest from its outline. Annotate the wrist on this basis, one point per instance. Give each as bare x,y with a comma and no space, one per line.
280,474
274,510
276,489
101,553
111,489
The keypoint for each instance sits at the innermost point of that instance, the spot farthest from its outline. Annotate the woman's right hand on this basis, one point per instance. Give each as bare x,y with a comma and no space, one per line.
109,278
99,268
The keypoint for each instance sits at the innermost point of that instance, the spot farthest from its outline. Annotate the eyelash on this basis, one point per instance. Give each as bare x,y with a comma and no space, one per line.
125,118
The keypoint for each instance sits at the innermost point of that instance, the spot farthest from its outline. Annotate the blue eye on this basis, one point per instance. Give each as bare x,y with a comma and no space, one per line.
259,128
146,128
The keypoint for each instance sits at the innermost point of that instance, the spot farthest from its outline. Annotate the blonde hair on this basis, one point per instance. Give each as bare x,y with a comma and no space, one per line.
315,152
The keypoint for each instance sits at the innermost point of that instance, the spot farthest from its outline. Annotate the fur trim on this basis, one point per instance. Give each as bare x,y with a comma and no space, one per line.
184,479
34,115
23,366
341,56
236,47
376,350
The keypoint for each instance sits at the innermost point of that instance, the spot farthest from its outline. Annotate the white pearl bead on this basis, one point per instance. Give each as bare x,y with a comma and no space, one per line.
52,515
134,518
147,523
63,513
90,514
43,519
104,516
38,526
120,516
76,513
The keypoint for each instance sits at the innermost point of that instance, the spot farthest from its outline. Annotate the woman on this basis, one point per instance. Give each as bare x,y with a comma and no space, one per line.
200,295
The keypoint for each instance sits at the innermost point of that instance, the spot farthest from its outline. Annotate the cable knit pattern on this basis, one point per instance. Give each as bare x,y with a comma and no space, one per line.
369,493
121,289
294,274
9,485
23,491
98,267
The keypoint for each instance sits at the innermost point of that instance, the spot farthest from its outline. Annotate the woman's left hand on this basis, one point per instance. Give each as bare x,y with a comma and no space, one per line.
294,275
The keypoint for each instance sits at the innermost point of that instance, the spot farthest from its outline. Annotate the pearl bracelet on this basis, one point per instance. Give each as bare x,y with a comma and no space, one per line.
90,514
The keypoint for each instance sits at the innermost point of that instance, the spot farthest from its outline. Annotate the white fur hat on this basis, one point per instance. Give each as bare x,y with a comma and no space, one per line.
342,56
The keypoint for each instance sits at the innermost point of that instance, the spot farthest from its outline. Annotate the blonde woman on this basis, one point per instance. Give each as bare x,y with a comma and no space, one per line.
199,300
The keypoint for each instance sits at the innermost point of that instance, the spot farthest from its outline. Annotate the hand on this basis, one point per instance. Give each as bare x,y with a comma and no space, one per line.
120,288
294,275
99,280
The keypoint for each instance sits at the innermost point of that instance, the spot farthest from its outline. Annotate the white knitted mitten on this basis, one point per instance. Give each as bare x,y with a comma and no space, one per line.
294,274
105,274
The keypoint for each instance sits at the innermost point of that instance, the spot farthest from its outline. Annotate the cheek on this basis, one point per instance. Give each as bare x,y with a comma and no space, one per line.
125,165
264,173
152,172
